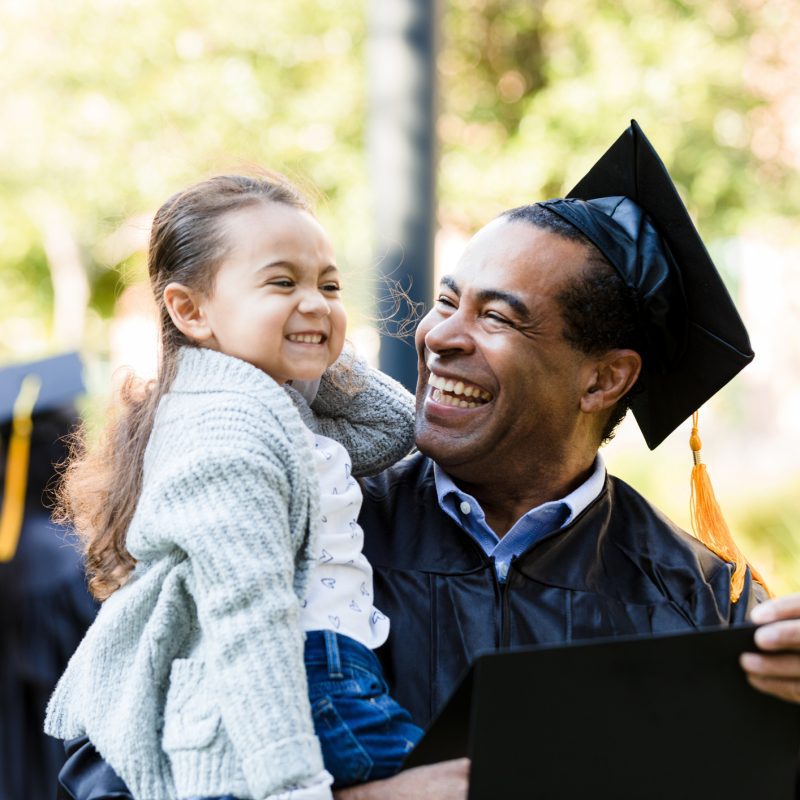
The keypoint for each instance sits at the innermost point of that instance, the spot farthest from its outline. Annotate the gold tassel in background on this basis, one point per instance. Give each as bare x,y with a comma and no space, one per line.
708,523
19,450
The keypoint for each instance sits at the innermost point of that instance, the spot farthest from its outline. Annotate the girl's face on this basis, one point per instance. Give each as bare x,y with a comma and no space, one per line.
276,299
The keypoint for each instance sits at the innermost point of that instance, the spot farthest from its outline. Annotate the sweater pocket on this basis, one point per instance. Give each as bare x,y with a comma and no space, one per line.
191,716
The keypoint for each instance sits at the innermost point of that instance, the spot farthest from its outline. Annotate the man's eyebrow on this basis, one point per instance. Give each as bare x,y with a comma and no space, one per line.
511,300
487,295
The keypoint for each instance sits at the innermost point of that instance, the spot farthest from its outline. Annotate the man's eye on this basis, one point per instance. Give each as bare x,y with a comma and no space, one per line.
495,317
445,301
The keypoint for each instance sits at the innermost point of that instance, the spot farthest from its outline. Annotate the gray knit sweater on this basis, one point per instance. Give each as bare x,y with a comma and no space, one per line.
191,680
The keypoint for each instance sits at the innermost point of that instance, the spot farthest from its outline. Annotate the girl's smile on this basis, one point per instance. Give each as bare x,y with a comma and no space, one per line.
309,337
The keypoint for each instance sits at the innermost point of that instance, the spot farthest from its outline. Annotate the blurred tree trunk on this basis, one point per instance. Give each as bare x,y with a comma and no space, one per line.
68,274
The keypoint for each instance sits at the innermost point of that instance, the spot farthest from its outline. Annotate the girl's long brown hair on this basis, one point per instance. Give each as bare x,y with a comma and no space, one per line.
102,482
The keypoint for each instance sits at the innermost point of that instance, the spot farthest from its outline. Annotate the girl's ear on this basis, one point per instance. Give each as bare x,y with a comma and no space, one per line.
186,310
612,377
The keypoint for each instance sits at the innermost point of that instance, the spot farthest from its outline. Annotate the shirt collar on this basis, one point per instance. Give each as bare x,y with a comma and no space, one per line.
450,496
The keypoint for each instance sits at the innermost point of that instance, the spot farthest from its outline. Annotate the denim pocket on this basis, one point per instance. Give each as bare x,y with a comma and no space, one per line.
344,756
354,682
191,719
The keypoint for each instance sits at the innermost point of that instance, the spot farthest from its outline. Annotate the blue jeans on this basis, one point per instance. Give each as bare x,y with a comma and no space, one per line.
364,733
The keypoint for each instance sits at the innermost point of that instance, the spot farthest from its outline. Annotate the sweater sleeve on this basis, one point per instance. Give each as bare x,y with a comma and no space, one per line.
320,789
228,511
367,412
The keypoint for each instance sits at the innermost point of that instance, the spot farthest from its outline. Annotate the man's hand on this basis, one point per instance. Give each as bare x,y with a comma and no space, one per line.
777,673
448,780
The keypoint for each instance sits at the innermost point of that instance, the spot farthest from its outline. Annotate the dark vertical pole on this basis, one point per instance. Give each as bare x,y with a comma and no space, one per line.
401,146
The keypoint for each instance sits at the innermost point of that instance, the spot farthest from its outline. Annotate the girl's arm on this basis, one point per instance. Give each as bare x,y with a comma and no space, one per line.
367,412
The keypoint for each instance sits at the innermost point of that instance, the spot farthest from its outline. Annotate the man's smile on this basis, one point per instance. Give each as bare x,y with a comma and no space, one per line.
457,392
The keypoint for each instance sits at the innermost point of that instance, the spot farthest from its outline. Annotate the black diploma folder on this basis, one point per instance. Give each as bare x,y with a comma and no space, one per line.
639,718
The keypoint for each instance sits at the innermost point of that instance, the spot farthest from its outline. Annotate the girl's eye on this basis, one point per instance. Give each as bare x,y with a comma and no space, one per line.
330,287
284,283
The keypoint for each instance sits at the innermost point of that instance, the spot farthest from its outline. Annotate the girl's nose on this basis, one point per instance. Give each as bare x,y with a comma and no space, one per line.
313,302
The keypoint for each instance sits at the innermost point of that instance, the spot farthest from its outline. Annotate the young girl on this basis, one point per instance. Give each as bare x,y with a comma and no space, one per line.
219,528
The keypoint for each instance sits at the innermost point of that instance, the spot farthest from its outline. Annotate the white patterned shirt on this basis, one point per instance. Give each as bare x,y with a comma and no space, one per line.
340,596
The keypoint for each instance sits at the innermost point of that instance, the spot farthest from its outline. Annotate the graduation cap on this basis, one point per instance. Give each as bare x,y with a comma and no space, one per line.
28,390
693,339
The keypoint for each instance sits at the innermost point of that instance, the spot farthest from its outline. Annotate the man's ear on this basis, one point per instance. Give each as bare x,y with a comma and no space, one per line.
187,312
611,378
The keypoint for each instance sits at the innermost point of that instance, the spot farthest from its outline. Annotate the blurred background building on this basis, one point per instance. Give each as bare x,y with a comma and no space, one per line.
415,122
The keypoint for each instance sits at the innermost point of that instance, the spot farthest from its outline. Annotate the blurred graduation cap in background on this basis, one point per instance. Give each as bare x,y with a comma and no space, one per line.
28,391
692,339
45,607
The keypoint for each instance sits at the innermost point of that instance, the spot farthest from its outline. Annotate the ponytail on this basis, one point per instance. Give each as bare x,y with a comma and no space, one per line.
101,483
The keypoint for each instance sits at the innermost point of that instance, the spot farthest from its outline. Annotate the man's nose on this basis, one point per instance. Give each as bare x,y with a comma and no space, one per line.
450,334
313,302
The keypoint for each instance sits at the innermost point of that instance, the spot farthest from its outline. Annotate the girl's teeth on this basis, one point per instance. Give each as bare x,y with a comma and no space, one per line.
305,338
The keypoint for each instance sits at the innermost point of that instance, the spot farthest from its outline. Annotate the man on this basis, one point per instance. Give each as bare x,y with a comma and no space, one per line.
505,530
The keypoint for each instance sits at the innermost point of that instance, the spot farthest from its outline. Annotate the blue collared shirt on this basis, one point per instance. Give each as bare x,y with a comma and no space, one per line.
466,512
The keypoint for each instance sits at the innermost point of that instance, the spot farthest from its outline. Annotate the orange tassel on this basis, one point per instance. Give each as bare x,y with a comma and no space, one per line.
708,523
19,448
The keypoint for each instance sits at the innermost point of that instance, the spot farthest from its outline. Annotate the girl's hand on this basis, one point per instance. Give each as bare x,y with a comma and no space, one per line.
776,669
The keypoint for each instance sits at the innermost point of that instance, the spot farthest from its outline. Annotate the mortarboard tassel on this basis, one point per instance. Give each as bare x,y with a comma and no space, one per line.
708,523
19,450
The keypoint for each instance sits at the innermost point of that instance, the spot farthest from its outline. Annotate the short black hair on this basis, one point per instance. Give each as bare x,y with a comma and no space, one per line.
598,309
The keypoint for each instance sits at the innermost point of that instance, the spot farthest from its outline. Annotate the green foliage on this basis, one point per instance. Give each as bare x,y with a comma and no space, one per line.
25,290
769,531
532,93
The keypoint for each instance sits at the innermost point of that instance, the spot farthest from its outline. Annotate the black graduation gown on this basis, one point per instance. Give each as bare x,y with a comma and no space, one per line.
45,610
620,567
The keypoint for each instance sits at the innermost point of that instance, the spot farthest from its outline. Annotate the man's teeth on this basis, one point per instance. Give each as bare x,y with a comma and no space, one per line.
447,400
457,388
306,338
